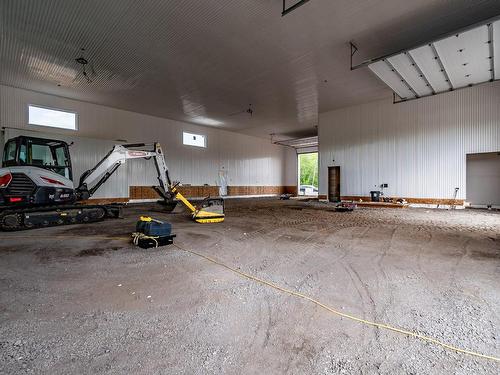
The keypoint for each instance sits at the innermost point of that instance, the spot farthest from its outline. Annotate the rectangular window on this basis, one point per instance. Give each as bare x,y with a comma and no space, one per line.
52,117
191,139
9,153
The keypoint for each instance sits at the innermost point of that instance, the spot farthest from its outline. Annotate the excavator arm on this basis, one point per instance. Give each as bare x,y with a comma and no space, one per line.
92,179
211,210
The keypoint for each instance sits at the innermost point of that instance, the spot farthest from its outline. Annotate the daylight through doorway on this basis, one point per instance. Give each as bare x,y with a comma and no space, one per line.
308,173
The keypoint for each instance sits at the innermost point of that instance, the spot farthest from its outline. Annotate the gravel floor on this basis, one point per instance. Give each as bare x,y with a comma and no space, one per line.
81,300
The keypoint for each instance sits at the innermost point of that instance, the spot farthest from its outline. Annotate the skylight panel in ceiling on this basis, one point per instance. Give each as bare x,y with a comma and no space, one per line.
463,59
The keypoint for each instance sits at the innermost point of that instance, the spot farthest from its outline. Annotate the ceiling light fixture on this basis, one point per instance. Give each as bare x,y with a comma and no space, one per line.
465,58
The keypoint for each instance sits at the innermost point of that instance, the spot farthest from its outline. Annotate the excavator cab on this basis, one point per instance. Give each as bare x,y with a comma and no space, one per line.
35,172
49,154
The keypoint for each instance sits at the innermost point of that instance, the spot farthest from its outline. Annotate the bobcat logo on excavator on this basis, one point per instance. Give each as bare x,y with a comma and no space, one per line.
137,153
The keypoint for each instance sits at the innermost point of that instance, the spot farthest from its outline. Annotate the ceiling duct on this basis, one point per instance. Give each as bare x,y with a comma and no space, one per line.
465,58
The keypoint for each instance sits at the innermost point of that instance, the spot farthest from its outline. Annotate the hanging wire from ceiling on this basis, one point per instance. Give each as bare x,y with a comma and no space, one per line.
84,62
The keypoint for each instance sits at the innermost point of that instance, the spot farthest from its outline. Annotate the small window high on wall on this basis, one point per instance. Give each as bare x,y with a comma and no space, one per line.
196,140
54,118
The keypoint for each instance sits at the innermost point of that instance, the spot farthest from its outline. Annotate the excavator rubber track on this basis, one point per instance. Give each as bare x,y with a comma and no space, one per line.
14,219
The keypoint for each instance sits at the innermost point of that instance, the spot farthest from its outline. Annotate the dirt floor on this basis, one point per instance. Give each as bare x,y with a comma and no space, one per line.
82,300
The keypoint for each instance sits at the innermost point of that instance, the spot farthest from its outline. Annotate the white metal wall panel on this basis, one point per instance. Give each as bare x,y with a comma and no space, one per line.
291,167
419,148
248,160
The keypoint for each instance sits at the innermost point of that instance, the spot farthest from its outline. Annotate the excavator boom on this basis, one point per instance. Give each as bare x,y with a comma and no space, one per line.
92,179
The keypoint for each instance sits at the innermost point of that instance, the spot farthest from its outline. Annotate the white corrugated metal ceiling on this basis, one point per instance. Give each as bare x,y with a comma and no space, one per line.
206,61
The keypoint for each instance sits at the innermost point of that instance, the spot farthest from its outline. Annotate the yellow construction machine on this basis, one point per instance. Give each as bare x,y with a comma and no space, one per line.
210,210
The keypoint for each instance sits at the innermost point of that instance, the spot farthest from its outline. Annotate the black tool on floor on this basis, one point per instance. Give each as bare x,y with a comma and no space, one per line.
150,232
345,207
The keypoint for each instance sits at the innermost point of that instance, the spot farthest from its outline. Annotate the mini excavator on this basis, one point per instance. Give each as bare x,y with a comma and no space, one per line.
37,189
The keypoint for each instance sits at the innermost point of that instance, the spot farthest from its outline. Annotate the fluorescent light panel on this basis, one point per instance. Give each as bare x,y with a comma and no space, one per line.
464,59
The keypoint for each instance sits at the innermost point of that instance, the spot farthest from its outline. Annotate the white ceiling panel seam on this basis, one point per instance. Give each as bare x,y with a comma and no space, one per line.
421,73
426,60
403,65
441,65
403,80
387,75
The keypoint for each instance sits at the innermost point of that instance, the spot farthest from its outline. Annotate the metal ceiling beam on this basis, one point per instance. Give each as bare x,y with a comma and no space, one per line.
401,78
298,142
433,47
292,8
492,58
419,71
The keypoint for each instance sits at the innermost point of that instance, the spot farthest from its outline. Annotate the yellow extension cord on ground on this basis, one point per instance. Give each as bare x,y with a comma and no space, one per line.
136,236
316,302
344,315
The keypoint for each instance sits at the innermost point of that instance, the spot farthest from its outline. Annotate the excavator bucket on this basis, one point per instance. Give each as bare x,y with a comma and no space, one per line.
211,210
168,205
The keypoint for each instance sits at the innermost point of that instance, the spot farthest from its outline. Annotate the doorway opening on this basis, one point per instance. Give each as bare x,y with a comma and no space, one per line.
307,164
483,180
334,184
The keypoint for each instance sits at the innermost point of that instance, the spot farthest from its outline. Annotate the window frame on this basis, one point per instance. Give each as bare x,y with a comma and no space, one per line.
52,109
205,140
